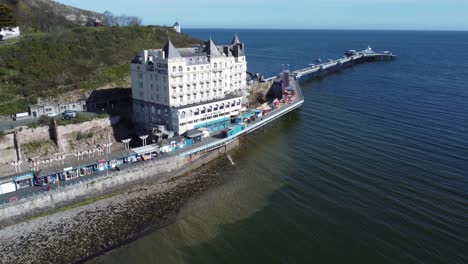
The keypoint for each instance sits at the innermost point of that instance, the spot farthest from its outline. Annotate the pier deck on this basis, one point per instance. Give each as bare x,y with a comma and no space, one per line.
318,70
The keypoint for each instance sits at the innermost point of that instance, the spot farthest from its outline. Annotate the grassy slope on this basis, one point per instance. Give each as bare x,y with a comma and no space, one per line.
47,65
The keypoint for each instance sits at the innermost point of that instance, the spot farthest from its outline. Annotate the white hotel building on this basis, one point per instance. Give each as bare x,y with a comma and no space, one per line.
186,88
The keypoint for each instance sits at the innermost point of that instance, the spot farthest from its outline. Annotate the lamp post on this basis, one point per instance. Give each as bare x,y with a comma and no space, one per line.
143,139
108,147
127,143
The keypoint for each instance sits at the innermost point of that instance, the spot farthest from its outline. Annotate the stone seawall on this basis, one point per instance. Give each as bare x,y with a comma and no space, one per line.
147,173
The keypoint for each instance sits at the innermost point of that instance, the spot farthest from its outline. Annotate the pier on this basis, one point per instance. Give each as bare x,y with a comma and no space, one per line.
321,69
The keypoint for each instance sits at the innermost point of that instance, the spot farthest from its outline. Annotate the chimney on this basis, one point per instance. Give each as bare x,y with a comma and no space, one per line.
235,51
145,56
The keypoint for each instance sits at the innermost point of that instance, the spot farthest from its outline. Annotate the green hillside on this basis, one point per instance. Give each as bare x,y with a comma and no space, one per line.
51,64
7,16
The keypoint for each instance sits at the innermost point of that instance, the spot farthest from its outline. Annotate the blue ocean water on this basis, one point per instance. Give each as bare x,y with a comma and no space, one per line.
372,169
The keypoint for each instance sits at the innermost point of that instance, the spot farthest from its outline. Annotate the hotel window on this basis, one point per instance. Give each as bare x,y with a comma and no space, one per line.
215,65
201,67
180,68
210,109
194,68
203,110
182,115
221,106
181,99
215,108
197,112
174,69
188,97
194,77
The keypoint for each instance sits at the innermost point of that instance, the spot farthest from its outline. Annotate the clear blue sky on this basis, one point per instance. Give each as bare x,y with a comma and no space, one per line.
303,14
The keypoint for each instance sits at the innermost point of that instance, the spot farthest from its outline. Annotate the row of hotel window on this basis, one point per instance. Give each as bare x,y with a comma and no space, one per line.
208,109
189,97
204,119
202,67
194,77
195,95
218,75
198,110
195,86
153,119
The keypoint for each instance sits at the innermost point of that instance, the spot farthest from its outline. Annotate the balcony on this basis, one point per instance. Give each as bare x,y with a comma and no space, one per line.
218,69
177,74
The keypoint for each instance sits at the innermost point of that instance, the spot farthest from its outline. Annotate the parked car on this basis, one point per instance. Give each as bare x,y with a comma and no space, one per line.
69,113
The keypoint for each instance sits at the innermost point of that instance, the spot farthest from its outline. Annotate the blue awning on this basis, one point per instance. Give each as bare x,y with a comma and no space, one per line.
23,177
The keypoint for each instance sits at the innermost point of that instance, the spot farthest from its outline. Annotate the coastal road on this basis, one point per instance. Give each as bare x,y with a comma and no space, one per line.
41,190
6,123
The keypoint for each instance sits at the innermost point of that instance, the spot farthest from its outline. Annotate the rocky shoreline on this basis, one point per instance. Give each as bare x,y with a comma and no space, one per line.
79,234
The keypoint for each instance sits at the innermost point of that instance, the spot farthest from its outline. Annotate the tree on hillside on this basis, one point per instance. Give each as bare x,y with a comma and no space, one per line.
120,21
7,16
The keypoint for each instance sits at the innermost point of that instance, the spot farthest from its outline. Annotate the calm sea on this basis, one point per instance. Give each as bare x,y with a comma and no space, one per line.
372,169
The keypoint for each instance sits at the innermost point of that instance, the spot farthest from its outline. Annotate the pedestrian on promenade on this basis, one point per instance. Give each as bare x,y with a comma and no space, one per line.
48,188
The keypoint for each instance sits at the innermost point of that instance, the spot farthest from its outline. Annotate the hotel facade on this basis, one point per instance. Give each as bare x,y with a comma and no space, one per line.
187,88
